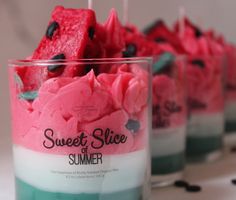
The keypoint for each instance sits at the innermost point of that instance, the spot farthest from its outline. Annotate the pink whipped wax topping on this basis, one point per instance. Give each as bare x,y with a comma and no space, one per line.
230,72
169,100
70,106
230,62
169,97
161,34
205,81
196,42
205,86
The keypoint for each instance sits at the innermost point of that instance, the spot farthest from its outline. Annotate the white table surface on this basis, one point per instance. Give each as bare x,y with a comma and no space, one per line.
215,179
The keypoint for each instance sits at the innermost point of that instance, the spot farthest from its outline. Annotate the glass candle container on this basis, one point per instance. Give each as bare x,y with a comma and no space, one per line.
81,128
169,119
205,75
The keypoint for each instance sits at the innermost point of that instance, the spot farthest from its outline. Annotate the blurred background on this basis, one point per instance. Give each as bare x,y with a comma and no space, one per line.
23,22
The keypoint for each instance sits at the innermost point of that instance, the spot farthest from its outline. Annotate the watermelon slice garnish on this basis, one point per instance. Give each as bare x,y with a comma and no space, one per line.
67,36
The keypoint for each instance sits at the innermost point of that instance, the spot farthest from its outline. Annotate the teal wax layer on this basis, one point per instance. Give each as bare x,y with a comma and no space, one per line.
164,165
202,146
25,191
230,127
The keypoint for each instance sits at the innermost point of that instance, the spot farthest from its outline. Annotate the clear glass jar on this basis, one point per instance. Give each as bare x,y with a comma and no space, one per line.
81,128
230,91
205,75
169,119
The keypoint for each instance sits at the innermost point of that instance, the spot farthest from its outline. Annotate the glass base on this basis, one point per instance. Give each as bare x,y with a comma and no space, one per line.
25,191
230,127
165,180
207,158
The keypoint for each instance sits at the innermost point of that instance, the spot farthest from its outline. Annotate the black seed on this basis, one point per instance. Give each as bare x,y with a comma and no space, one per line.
88,68
59,57
160,40
51,29
193,188
181,184
231,87
133,125
233,149
54,68
159,22
130,51
233,181
198,32
154,25
199,63
128,29
91,32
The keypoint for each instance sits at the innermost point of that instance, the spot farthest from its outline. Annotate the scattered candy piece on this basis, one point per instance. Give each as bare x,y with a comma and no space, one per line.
193,188
130,51
30,96
163,62
233,181
233,149
133,125
181,184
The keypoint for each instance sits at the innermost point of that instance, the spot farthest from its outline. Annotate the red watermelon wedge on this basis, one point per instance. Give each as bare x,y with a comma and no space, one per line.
67,36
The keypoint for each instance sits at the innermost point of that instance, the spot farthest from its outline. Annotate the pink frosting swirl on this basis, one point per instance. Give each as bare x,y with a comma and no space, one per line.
71,106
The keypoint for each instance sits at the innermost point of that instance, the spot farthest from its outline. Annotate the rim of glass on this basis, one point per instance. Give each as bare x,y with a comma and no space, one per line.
187,56
35,62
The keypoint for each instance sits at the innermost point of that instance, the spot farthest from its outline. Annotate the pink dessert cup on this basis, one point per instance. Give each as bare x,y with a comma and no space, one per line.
86,136
205,76
230,90
169,119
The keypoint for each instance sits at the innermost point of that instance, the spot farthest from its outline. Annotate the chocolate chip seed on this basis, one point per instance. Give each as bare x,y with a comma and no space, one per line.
198,32
51,29
130,51
233,149
128,29
54,68
233,181
158,23
88,68
91,32
193,188
160,40
199,63
181,184
133,125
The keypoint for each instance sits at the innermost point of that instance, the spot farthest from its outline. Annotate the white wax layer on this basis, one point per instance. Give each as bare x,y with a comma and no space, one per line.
205,125
168,141
49,172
